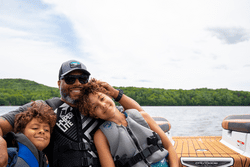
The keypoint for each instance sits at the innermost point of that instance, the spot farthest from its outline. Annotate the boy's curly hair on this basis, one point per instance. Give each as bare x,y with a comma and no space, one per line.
38,110
92,87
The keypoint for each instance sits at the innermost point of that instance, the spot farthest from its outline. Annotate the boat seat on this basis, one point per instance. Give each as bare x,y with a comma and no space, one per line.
239,123
163,123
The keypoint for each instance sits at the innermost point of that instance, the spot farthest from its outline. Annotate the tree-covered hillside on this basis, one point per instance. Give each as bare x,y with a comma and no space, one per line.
20,91
194,97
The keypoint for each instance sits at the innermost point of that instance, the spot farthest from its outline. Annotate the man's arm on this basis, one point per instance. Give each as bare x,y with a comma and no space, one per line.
5,127
129,103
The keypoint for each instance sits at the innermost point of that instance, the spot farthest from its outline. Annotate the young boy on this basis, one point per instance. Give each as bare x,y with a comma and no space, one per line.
32,134
128,139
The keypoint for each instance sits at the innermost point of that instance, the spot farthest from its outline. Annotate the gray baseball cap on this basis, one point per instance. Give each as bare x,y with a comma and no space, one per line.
70,66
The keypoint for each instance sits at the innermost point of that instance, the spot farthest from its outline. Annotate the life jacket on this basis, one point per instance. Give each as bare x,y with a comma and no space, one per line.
25,154
72,138
135,145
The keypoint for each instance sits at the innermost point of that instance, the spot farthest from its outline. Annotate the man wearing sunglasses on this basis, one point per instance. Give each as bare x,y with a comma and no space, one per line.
72,77
71,141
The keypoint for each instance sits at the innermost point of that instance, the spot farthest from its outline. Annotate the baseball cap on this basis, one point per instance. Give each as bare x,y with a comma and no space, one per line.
70,66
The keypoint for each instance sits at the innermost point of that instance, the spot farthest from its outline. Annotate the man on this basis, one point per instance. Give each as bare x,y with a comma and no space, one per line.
71,141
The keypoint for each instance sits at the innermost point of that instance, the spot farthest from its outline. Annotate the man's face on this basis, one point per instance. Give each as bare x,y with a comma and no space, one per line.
38,133
70,92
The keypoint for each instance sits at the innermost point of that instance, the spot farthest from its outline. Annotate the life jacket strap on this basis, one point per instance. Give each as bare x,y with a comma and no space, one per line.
121,161
154,140
90,161
77,147
128,162
82,162
42,159
77,153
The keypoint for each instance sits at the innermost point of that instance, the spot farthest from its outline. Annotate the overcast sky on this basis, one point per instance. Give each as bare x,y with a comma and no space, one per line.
166,44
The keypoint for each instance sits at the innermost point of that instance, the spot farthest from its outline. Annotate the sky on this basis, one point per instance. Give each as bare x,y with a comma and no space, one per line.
153,44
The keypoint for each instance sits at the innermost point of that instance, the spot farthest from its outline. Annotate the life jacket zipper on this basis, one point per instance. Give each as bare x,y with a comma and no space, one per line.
136,143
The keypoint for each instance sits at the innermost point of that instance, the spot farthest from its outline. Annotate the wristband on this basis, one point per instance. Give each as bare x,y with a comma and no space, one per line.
118,98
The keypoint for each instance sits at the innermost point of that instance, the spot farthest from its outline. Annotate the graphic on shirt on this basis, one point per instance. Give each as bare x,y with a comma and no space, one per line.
67,123
64,122
107,124
89,126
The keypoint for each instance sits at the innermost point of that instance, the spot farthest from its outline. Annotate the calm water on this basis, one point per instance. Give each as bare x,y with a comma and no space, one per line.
187,121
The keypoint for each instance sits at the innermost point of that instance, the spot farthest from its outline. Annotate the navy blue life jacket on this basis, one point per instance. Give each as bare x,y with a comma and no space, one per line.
25,154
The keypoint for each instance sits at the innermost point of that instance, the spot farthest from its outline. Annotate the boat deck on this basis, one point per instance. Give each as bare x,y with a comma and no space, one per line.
206,151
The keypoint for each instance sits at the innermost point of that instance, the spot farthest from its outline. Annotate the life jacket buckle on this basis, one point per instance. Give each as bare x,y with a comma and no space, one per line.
153,139
87,161
139,157
90,161
146,153
121,161
84,146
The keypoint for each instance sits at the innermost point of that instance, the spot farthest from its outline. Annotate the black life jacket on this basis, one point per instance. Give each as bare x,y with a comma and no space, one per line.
26,154
71,141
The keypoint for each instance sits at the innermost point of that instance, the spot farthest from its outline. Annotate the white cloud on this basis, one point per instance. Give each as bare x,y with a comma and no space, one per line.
231,35
162,44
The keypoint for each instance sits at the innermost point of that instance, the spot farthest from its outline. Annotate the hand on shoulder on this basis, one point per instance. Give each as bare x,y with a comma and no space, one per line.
112,91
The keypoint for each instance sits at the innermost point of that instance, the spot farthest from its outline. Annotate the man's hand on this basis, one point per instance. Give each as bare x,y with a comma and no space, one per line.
111,91
125,101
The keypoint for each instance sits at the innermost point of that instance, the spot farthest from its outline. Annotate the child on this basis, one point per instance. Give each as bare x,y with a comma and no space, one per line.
32,134
126,139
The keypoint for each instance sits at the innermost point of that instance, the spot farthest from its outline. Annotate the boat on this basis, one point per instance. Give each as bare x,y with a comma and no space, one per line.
232,148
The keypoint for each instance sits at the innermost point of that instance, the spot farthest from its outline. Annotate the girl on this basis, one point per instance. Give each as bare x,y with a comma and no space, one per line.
131,138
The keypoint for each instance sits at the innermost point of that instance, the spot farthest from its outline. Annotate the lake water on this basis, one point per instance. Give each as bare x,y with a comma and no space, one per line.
187,121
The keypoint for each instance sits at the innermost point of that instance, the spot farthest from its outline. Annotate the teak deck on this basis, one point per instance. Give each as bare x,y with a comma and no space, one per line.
207,149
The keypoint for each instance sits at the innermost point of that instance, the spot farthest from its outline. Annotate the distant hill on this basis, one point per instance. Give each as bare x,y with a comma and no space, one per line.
194,97
21,91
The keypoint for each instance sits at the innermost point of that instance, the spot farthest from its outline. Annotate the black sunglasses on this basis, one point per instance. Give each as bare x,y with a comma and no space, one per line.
71,79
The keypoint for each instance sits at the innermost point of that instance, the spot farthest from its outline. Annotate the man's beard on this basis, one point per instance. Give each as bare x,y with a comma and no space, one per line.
65,95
